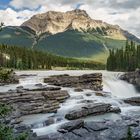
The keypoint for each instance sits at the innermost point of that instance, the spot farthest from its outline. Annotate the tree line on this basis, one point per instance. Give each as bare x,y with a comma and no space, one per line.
125,59
24,59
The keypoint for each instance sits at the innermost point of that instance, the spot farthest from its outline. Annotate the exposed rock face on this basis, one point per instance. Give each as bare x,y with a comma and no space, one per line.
31,102
132,77
55,22
133,101
104,130
91,109
87,81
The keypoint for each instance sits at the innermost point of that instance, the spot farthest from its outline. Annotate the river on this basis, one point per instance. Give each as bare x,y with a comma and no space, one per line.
115,89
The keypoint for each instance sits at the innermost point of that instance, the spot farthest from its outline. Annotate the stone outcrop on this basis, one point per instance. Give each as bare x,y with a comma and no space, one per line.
91,109
33,102
132,77
87,81
133,101
55,22
102,130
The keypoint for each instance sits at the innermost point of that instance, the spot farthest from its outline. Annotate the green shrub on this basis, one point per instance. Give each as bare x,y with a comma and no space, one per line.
129,134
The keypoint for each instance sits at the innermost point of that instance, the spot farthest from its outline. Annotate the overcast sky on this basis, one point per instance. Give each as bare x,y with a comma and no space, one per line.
125,13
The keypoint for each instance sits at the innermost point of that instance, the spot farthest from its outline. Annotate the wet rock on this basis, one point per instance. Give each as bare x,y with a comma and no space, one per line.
88,94
132,77
31,102
70,126
87,81
86,101
96,126
90,109
115,110
59,119
19,87
78,90
101,130
27,75
45,88
133,101
39,85
49,121
99,94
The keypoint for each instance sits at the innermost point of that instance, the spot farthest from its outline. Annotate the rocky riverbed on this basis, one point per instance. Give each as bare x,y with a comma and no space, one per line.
60,109
102,130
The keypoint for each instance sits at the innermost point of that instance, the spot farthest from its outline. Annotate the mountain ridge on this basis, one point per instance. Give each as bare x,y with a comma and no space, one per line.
71,34
55,22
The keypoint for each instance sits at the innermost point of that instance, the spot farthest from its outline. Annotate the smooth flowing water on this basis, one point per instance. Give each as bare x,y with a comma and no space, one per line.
115,89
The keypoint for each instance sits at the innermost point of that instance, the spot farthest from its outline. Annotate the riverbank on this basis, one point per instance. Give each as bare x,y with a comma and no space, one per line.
7,76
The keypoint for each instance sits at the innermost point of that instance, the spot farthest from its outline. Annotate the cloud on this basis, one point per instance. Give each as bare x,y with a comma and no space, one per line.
16,18
30,4
122,12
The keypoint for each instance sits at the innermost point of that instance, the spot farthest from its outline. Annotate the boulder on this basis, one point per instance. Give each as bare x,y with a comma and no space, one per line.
100,94
78,90
70,126
132,77
49,121
91,109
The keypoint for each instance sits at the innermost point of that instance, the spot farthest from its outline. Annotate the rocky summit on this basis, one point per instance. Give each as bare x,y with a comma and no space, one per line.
55,22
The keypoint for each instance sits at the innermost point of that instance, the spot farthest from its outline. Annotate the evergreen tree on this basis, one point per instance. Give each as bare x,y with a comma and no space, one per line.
127,59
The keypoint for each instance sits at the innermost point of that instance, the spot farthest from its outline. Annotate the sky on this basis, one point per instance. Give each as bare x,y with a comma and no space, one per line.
125,13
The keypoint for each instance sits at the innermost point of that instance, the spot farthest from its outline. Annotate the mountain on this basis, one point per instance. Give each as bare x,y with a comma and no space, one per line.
71,34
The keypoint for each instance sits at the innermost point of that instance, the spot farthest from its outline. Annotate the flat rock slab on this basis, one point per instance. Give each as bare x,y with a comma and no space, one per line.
86,81
91,109
33,102
133,101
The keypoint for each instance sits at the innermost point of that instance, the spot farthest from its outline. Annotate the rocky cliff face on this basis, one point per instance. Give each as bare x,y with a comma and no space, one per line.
56,22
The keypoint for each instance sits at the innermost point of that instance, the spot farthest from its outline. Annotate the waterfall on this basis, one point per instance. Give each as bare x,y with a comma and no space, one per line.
117,87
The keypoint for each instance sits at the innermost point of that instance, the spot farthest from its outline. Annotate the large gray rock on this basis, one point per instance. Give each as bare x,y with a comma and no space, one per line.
91,109
33,102
70,126
132,77
87,81
133,101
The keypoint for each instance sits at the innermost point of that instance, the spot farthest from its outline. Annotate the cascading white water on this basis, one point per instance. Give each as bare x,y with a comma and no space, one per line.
117,87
